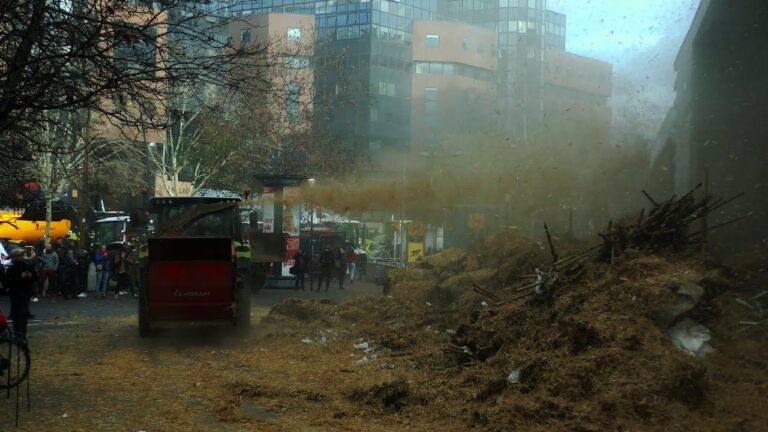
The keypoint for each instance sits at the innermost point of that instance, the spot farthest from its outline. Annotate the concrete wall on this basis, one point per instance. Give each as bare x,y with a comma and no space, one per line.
729,131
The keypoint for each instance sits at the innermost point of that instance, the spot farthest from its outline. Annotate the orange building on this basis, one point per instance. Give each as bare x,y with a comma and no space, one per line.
453,68
288,42
575,96
141,33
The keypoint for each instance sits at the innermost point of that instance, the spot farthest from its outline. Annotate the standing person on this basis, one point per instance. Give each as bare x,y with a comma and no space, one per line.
34,260
50,261
351,258
133,268
341,266
19,279
61,277
83,266
300,267
69,275
103,266
326,268
122,272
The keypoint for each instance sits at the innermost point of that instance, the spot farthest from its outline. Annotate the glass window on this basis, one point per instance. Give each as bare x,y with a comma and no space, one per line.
294,34
298,62
341,20
422,67
433,41
430,100
292,102
391,89
448,68
245,35
436,68
480,49
465,43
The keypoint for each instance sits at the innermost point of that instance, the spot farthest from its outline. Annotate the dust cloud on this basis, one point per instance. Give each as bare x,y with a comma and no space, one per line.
524,184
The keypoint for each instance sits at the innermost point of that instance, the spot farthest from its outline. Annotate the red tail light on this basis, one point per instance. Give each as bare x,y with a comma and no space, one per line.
3,322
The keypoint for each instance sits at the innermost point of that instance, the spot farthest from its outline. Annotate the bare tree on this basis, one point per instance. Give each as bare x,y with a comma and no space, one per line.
113,59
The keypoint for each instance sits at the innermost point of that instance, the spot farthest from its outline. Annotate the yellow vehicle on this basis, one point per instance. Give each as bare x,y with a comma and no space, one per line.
15,229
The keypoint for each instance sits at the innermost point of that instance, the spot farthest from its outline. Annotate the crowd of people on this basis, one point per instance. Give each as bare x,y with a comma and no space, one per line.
63,267
60,270
341,263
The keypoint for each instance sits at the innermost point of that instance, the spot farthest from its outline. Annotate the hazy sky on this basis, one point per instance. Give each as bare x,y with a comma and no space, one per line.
616,30
641,39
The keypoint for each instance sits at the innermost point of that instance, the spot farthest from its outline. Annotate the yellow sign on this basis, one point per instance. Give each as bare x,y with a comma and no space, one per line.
415,251
416,229
476,221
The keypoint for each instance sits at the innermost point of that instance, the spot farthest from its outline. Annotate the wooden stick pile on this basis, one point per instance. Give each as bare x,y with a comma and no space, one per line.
664,226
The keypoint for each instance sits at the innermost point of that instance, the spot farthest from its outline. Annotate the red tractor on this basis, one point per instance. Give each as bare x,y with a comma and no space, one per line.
196,267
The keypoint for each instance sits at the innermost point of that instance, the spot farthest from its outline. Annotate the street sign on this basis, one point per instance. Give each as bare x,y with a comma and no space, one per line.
476,221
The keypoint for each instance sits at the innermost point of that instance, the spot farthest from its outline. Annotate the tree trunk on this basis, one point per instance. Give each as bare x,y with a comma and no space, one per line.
48,217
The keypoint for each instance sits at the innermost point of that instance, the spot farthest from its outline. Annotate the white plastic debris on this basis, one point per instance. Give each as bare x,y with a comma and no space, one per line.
484,304
429,304
692,337
307,341
449,331
514,376
687,297
362,345
363,361
466,350
65,415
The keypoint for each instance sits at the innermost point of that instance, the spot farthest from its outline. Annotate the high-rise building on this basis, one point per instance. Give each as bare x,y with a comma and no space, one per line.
382,72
